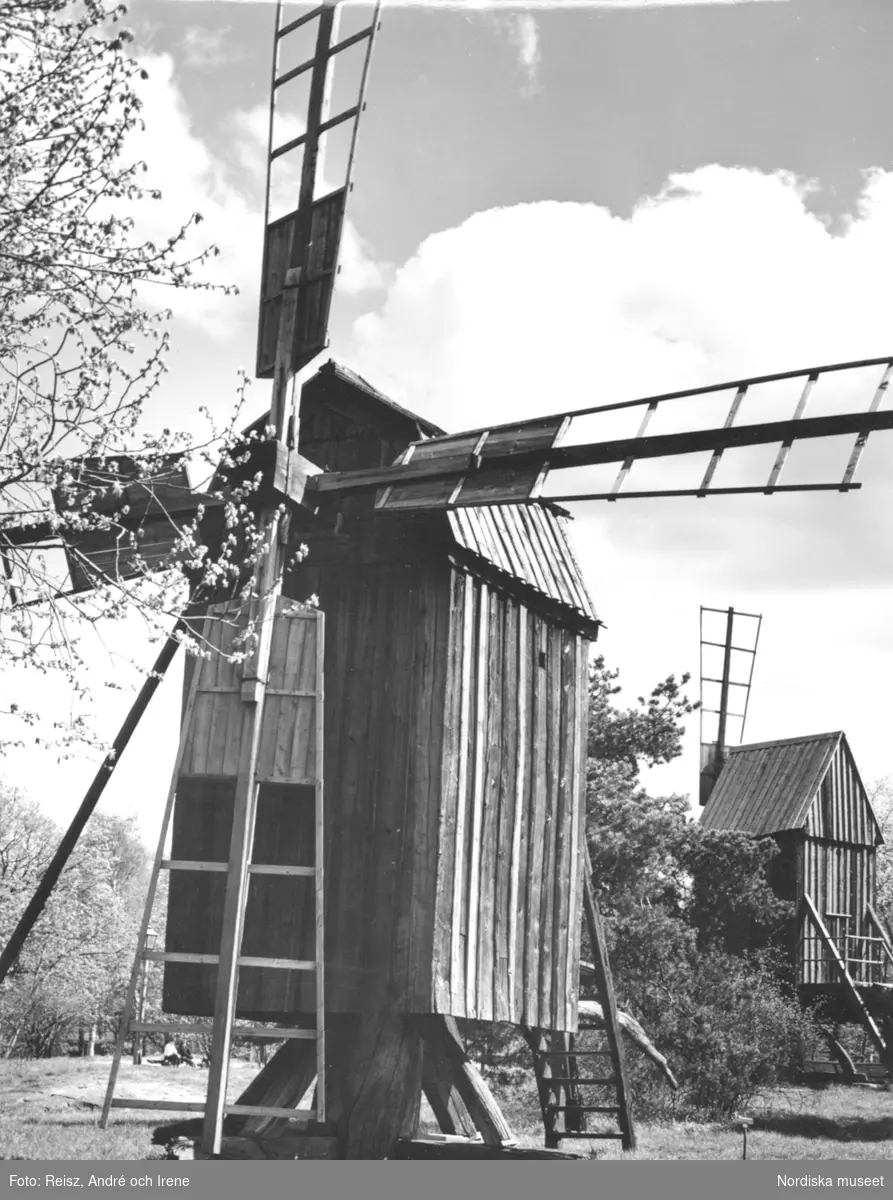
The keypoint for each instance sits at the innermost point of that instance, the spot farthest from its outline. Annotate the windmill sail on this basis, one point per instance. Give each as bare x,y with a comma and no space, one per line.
726,680
510,463
308,237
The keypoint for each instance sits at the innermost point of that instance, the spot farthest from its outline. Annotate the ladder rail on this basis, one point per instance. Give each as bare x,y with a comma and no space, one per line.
140,955
319,864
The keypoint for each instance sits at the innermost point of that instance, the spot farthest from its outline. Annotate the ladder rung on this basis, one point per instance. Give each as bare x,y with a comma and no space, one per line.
211,960
249,1031
237,1110
161,1105
262,1110
188,864
280,964
267,869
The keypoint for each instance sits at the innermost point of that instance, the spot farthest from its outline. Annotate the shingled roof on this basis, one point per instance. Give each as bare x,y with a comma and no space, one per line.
770,787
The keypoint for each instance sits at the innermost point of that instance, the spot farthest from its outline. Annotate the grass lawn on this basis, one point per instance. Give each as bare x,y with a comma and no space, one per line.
50,1110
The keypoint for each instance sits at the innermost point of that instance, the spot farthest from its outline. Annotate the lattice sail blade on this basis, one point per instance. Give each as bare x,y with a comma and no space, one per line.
309,236
509,464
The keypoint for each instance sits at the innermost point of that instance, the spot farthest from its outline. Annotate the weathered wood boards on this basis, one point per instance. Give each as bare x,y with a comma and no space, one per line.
455,718
279,917
508,878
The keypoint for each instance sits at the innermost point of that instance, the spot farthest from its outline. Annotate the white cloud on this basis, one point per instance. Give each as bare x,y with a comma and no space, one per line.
554,306
209,49
523,34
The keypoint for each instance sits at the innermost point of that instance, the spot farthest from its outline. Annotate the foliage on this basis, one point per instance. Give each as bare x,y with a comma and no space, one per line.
881,796
83,340
687,912
73,971
650,732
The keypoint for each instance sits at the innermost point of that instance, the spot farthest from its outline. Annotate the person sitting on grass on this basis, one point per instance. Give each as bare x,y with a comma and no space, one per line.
171,1056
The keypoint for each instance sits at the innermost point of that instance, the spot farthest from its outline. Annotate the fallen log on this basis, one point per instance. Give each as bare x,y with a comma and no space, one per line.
592,1011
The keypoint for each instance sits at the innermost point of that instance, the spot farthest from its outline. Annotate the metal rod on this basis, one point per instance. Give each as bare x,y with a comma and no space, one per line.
91,799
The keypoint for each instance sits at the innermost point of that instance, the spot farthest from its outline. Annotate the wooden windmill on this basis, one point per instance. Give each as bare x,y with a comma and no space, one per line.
806,794
377,819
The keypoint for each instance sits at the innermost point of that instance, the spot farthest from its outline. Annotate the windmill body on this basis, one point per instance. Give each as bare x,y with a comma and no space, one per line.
455,730
806,794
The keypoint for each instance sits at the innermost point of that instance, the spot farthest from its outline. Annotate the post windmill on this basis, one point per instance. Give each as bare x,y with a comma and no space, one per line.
377,818
806,794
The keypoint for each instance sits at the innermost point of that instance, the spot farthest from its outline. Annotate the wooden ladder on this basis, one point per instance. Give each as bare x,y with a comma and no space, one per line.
238,870
556,1056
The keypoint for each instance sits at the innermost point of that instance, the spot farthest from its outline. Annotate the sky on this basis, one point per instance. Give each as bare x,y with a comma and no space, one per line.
559,206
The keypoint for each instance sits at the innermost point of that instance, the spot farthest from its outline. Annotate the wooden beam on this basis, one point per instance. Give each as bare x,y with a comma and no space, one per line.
850,991
421,1148
441,1039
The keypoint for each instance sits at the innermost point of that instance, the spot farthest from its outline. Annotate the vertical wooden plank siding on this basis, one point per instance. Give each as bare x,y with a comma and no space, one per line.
480,730
537,821
466,672
447,865
578,801
550,882
489,838
507,793
508,876
838,854
526,705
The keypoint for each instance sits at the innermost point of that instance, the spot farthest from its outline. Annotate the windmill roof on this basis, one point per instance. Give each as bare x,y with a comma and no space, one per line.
768,787
528,543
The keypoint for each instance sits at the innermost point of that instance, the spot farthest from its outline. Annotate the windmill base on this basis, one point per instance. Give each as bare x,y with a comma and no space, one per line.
378,1066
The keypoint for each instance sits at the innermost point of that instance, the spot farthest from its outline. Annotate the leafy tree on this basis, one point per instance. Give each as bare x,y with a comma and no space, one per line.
73,971
690,915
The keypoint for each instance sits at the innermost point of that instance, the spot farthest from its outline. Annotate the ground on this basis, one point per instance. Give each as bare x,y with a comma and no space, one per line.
49,1110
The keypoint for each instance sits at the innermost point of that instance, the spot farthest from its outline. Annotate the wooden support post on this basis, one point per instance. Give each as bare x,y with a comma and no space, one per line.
442,1041
374,1075
443,1096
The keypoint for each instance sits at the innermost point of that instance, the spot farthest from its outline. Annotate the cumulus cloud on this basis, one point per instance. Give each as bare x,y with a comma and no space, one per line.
726,273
